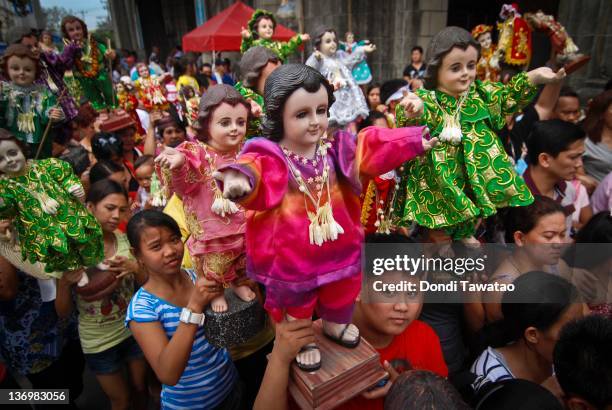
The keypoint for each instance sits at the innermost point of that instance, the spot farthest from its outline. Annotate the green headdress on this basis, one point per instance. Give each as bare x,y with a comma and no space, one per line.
258,14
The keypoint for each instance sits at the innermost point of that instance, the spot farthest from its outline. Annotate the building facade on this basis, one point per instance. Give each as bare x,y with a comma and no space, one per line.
395,26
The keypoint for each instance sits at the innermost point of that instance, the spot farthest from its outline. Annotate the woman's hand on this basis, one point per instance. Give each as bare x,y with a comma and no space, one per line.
56,114
122,266
170,158
413,105
545,75
71,277
203,293
378,392
305,37
290,338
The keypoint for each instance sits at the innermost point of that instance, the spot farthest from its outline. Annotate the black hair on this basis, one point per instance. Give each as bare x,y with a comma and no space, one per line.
387,238
567,91
369,120
525,218
146,219
592,244
388,88
283,82
583,360
78,158
180,66
372,86
422,389
102,170
539,299
515,394
142,160
551,137
442,44
419,48
207,65
103,188
105,146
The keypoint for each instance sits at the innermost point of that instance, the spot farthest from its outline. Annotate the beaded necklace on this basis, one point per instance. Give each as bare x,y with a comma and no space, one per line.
323,227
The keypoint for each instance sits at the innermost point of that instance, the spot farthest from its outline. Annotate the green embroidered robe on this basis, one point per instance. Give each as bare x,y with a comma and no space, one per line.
35,99
70,239
281,48
254,126
452,185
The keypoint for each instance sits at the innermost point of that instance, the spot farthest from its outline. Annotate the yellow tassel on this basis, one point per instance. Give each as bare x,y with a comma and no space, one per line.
25,122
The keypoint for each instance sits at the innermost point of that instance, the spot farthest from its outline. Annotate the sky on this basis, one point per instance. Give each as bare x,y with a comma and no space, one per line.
91,8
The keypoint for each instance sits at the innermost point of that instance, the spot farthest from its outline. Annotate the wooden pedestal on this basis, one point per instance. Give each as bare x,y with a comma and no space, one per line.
344,374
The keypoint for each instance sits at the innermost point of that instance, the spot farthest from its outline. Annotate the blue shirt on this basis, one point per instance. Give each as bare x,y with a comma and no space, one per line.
32,337
209,375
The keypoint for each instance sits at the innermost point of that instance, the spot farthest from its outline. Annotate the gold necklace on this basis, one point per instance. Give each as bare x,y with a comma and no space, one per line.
323,227
221,205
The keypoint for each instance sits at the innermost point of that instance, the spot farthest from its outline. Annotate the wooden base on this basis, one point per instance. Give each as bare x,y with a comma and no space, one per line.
344,374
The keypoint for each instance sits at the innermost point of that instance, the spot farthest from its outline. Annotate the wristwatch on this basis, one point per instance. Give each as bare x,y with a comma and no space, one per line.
191,318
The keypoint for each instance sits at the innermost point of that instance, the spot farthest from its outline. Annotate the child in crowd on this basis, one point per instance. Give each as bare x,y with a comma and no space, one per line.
102,304
165,316
143,170
389,323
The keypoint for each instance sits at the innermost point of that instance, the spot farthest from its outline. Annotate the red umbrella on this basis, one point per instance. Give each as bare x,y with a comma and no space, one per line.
222,32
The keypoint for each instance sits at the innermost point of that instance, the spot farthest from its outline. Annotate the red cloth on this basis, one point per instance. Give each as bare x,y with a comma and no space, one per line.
418,347
222,31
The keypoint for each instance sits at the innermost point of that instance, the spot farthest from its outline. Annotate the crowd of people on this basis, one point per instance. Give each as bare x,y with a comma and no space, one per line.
135,194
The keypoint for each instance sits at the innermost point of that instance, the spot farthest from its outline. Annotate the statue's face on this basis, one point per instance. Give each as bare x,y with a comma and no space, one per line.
75,30
304,118
329,44
485,41
12,160
120,88
457,71
143,71
350,38
21,70
265,28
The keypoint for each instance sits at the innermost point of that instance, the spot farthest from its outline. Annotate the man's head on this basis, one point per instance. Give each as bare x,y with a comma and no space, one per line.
556,146
568,106
206,69
583,363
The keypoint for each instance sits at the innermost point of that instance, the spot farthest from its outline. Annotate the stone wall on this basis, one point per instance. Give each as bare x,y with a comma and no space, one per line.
589,22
